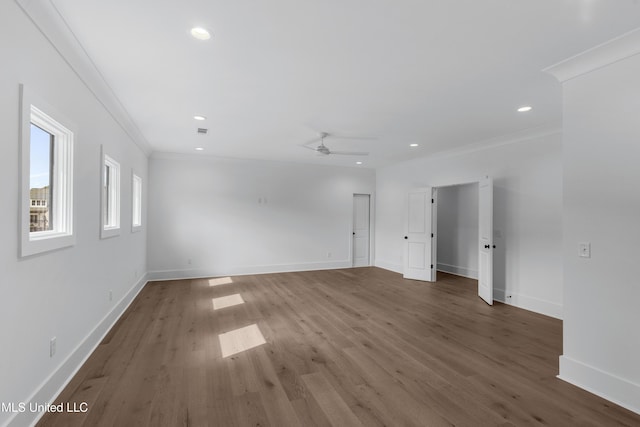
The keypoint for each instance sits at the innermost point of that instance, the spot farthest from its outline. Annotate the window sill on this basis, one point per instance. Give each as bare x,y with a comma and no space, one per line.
107,233
33,246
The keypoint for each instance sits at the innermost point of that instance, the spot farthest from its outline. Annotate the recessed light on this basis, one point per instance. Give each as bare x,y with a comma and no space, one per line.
200,33
525,108
199,117
358,163
199,149
413,145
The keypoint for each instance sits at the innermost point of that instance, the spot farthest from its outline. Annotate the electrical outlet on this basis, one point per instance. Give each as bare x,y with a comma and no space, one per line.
328,254
110,294
52,347
189,261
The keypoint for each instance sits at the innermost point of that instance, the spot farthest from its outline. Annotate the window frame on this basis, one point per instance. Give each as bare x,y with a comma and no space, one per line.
136,202
34,110
110,196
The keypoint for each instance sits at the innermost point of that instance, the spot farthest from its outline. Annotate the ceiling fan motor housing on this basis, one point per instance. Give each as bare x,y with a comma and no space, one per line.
322,149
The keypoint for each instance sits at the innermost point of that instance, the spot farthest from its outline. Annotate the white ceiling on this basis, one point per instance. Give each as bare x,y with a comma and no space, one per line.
441,73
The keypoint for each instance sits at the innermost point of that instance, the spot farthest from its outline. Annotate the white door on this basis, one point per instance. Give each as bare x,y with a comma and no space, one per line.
417,253
485,258
361,223
434,234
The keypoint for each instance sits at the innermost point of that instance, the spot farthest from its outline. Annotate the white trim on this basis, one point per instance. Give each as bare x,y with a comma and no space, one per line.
528,303
53,385
217,271
457,270
110,194
546,308
551,128
597,57
136,202
604,384
35,110
53,26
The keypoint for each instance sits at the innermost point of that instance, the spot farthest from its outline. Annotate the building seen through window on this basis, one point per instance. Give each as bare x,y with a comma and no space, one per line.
41,170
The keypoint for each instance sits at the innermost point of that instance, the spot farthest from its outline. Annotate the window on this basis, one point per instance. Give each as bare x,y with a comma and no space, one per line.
46,187
110,197
41,147
136,191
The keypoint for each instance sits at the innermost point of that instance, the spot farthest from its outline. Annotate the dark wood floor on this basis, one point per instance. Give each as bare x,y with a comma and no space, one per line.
343,347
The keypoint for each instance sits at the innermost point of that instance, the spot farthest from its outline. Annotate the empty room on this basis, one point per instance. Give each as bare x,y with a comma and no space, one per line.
357,213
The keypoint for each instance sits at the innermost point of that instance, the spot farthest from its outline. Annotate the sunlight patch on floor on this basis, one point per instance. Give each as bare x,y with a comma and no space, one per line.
227,301
220,281
239,340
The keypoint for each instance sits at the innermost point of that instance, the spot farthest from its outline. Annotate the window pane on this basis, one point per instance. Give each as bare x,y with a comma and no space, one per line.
41,170
107,194
110,198
137,201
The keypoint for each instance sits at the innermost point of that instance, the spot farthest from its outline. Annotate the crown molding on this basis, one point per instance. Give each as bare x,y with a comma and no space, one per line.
599,56
203,157
52,25
550,128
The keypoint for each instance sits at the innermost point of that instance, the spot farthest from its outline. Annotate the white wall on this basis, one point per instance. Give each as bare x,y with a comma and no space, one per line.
602,206
457,230
244,216
527,214
63,293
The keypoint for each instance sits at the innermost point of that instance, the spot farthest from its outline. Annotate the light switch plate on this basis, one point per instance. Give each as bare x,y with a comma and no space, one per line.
584,250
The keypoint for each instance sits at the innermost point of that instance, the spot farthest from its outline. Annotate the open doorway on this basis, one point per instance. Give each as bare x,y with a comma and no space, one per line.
421,235
457,230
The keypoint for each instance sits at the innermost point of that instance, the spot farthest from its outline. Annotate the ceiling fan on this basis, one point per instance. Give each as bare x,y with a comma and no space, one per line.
323,150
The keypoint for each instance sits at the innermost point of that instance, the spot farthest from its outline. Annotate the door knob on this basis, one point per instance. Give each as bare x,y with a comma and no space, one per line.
487,246
406,237
354,233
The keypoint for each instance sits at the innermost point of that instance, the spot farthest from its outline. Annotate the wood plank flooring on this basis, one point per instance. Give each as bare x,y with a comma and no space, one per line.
354,347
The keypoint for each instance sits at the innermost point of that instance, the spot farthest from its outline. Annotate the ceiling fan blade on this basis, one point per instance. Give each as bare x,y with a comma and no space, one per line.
359,138
327,132
350,153
322,150
312,141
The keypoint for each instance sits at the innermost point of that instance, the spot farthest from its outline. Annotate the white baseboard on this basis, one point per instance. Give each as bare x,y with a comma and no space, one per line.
525,302
601,383
58,380
536,305
396,268
458,270
197,273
